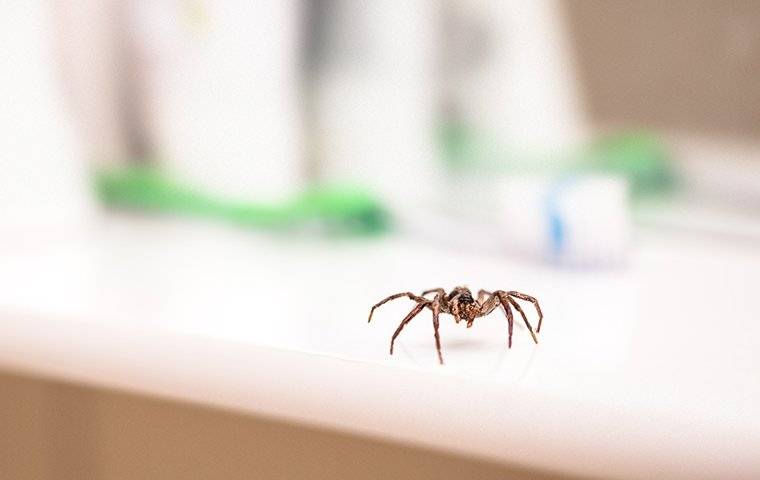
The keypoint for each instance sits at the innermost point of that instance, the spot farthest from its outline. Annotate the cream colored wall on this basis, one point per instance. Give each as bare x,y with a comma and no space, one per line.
52,430
685,65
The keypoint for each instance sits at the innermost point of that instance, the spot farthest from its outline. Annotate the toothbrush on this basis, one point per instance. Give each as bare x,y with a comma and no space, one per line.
339,210
638,156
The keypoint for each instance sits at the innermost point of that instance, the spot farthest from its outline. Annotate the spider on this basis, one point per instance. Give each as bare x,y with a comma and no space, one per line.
460,304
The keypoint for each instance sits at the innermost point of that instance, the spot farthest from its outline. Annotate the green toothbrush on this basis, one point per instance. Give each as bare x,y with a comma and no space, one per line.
638,156
336,209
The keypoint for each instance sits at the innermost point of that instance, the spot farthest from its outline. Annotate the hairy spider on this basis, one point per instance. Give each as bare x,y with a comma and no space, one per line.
460,304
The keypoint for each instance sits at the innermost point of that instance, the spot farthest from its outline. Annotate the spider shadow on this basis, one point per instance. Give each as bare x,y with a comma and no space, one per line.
461,345
465,344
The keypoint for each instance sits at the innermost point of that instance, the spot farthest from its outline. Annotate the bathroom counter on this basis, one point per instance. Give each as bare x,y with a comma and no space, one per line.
645,372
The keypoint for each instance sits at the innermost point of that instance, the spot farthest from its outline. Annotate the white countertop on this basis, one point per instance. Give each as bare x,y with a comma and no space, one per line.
651,371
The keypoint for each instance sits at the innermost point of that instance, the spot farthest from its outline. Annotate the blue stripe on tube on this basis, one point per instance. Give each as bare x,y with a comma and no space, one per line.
556,222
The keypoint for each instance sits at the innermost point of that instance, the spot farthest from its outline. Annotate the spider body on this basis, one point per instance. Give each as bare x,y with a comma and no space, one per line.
461,304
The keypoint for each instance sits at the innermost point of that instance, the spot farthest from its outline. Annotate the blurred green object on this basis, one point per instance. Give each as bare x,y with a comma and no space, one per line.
640,157
334,210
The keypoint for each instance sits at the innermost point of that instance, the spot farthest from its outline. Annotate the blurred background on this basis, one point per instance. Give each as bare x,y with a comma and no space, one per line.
546,137
511,127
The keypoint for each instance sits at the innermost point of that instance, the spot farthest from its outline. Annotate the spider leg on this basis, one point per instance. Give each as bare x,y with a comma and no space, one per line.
489,304
417,309
436,310
411,296
532,300
482,294
525,319
506,300
436,290
508,314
